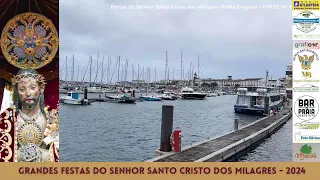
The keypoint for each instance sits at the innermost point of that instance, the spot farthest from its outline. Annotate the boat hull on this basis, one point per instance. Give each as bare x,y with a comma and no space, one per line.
243,110
127,101
72,102
151,99
193,96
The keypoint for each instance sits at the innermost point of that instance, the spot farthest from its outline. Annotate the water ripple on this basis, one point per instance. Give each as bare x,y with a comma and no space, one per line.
123,132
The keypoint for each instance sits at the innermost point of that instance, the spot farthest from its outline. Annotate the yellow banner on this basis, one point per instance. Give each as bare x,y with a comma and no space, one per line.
306,5
153,171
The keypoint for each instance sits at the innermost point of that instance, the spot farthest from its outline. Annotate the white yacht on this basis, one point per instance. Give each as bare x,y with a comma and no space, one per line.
252,99
188,93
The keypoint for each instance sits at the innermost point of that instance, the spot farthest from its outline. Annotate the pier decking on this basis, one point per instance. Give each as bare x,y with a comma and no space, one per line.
224,147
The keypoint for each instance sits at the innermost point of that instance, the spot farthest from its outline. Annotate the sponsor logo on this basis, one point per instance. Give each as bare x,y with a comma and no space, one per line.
306,88
306,108
306,45
306,21
305,153
299,137
309,126
307,36
306,58
305,4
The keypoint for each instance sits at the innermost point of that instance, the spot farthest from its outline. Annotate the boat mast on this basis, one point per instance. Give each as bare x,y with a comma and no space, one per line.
172,74
132,72
78,73
84,75
126,70
114,69
143,74
66,79
121,76
190,73
181,66
198,75
90,70
72,75
98,67
155,74
108,69
138,72
118,74
118,69
102,70
166,68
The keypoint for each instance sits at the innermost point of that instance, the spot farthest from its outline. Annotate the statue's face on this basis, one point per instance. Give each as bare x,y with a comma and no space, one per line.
29,93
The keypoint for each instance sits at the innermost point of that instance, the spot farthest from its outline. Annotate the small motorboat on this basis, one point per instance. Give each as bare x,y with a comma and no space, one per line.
127,100
150,98
167,96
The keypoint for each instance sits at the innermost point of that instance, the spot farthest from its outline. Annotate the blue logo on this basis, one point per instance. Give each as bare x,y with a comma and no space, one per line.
306,21
296,3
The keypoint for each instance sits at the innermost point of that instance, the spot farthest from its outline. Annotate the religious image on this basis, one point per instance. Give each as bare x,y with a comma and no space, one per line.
29,82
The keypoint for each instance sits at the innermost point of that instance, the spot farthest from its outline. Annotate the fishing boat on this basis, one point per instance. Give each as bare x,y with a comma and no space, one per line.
73,98
189,93
253,99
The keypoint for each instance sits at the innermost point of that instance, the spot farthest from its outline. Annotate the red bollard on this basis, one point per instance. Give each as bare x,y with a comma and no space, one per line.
176,140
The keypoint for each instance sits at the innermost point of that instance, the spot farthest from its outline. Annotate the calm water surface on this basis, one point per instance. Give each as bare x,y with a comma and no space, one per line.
131,132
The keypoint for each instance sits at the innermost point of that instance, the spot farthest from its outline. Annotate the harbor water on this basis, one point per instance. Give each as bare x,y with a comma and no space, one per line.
113,132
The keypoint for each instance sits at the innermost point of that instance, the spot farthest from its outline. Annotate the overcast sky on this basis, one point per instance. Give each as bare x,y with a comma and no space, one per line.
240,43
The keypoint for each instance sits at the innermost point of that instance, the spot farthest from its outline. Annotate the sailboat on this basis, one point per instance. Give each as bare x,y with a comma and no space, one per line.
117,97
149,98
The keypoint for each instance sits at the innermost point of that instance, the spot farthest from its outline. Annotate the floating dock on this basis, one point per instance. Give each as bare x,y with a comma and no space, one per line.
225,147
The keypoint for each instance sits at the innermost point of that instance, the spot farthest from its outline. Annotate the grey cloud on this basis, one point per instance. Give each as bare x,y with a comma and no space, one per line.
241,43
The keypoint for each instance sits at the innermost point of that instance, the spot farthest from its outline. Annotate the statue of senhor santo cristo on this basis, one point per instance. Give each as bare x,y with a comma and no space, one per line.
37,130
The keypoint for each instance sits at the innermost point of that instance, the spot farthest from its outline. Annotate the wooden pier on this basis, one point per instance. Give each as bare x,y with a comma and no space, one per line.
226,146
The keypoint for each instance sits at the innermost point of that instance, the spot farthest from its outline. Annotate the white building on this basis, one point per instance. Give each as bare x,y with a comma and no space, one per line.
242,82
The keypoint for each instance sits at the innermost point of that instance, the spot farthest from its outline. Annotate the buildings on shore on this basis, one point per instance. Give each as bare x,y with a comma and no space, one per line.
209,83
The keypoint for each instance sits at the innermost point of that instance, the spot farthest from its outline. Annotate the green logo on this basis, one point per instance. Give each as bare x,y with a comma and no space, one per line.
306,153
305,149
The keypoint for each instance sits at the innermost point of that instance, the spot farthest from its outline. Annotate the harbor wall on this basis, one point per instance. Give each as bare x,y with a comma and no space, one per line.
236,148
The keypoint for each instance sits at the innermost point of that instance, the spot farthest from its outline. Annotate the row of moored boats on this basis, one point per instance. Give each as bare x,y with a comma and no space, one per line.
186,93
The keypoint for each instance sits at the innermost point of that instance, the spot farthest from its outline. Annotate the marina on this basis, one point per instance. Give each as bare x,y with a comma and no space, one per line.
132,133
